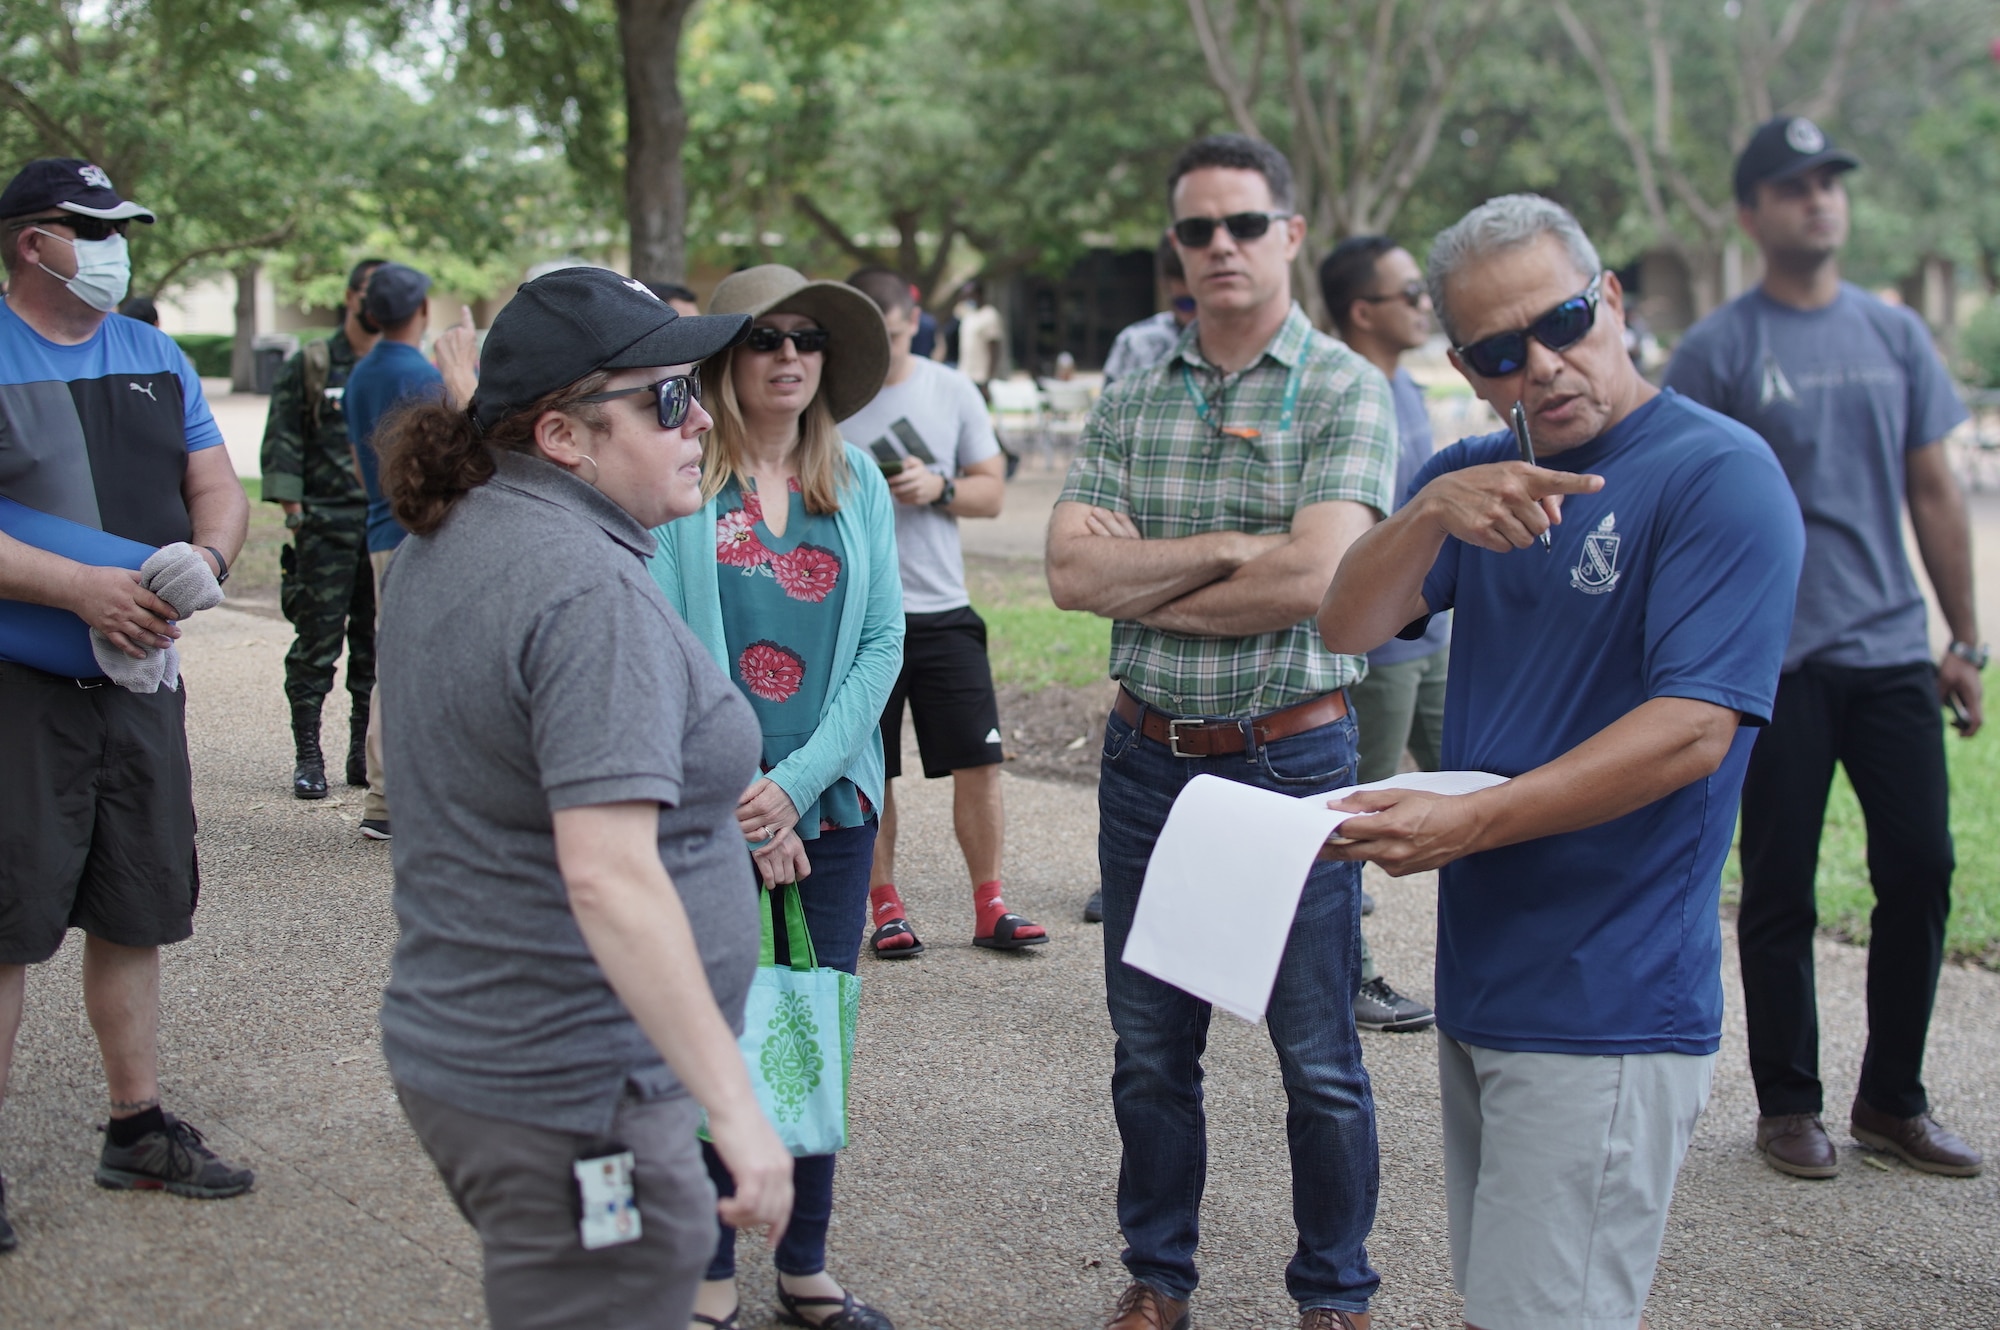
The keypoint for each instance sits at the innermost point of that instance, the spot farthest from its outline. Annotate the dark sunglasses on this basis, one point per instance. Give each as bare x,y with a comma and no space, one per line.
673,396
1199,232
1504,353
1412,294
807,340
86,228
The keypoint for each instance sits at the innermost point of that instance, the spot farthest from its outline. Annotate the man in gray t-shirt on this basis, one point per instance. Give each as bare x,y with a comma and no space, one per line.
929,430
1851,397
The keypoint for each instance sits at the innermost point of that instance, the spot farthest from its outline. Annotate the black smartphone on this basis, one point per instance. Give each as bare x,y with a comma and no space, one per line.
887,457
913,442
1961,719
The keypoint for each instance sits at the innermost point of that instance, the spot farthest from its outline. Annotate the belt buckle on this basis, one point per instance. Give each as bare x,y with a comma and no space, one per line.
1174,736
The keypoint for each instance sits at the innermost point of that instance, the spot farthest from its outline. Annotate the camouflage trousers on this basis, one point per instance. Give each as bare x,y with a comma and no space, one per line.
325,587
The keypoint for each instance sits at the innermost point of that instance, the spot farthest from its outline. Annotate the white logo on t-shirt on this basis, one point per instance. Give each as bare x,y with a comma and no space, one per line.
145,388
1776,387
1596,570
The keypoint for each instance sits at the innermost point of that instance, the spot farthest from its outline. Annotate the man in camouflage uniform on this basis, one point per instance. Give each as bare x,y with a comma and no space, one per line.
325,587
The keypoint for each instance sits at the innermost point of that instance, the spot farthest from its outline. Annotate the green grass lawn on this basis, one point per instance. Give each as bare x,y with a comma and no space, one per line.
1845,898
1033,644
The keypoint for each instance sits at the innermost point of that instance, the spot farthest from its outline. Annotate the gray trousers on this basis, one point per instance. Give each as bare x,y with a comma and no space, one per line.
513,1184
1396,707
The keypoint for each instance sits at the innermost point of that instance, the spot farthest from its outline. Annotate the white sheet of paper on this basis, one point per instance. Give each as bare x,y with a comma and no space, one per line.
1224,880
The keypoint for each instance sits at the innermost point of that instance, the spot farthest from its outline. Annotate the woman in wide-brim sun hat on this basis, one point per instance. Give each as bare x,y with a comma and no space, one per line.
788,575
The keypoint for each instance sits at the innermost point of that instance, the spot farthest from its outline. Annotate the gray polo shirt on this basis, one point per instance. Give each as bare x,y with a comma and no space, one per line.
529,664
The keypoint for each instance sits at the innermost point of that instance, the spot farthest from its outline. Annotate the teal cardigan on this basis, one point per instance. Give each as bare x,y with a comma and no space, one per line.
867,653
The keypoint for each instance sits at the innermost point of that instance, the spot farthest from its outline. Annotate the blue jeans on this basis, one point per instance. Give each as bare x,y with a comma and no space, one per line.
835,896
1162,1031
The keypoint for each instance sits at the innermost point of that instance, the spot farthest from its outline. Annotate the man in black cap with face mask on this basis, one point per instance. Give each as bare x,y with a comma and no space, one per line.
109,452
1852,398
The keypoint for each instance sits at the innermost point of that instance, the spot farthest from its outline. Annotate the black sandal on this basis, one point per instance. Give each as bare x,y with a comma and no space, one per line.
853,1314
1004,930
895,928
726,1323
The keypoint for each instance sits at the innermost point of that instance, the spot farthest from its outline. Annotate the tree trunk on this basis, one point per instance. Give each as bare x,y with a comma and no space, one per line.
649,32
242,352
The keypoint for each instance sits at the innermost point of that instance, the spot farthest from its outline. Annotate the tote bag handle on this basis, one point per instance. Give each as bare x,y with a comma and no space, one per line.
798,940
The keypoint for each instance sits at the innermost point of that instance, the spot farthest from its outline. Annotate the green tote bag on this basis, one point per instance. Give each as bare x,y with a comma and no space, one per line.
798,1035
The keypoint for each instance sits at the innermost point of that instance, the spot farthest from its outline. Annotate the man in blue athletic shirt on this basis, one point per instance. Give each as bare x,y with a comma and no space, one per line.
1615,676
1852,398
395,372
106,445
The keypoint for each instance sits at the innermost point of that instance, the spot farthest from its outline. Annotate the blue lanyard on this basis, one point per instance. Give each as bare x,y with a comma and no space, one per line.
1291,400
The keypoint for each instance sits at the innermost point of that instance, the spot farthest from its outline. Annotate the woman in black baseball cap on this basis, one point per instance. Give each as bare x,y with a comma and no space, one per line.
577,932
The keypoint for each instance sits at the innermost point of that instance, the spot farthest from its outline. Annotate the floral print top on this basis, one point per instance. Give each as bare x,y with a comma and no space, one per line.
780,618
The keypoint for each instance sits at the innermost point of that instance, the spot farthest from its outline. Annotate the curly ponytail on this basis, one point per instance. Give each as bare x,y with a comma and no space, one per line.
431,453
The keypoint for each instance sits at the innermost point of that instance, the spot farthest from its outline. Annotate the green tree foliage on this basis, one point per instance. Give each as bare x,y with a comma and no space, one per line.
259,126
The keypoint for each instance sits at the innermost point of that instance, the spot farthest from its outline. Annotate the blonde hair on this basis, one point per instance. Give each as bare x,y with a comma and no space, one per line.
821,453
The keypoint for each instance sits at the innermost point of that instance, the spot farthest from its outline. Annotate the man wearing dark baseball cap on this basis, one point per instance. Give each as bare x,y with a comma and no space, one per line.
1851,396
119,465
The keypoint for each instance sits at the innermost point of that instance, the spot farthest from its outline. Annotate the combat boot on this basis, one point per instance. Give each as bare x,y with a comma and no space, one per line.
309,776
357,746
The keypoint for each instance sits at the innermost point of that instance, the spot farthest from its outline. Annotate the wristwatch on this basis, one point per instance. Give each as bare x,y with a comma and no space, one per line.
1975,656
950,492
222,565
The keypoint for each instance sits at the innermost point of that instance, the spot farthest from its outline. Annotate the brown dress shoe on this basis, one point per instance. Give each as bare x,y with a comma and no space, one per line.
1143,1307
1919,1141
1328,1318
1796,1143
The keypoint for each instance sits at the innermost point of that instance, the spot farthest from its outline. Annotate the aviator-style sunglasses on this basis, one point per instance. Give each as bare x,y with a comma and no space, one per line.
86,228
672,395
1504,353
1199,232
807,340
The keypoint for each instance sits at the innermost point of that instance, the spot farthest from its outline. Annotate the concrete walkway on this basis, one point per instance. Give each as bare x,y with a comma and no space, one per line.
978,1192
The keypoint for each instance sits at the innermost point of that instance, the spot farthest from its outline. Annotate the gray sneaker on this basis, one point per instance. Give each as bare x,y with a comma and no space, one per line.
8,1238
1380,1007
175,1160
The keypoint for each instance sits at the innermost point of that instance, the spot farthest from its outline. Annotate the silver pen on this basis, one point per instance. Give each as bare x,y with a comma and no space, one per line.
1519,419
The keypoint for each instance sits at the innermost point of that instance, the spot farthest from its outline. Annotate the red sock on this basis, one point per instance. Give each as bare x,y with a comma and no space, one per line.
987,908
885,906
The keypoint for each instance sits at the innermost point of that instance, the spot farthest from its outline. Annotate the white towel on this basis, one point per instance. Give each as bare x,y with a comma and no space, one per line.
179,575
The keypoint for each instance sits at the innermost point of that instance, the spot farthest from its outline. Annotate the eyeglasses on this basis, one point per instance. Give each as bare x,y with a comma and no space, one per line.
1199,232
86,228
1504,353
807,340
1412,294
673,396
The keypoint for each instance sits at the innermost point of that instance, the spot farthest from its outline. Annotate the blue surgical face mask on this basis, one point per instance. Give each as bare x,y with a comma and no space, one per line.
103,270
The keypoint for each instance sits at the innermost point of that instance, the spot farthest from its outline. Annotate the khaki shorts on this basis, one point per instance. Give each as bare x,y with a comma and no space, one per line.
1558,1169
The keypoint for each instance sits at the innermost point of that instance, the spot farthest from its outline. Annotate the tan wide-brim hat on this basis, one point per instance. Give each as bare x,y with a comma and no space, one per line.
857,345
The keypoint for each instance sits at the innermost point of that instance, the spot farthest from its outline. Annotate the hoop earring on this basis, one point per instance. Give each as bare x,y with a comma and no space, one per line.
592,482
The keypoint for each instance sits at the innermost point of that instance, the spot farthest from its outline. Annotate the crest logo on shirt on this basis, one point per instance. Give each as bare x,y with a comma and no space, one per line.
139,387
1775,387
1596,570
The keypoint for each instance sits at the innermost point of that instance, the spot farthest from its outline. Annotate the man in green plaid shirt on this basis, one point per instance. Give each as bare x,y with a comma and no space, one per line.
1212,498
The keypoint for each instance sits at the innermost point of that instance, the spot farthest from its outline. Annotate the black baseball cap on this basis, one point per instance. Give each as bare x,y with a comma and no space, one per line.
395,292
1784,147
71,184
574,321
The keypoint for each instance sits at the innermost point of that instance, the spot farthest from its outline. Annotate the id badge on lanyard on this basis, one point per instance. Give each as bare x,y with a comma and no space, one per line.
607,1197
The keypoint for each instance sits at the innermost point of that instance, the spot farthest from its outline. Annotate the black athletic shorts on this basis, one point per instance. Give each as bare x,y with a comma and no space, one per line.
96,815
949,686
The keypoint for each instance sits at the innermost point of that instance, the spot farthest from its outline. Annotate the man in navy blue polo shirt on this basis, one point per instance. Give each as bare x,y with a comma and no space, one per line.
395,372
1616,675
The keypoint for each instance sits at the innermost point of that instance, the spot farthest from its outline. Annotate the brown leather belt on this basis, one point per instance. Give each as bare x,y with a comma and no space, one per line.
1221,738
